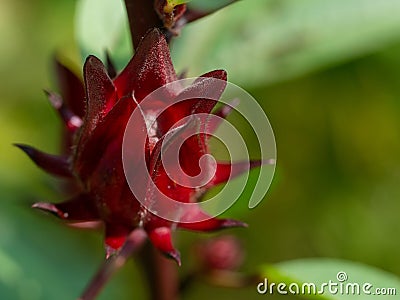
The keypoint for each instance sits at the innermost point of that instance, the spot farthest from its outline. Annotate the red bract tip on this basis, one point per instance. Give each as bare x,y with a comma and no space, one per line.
53,164
161,238
71,89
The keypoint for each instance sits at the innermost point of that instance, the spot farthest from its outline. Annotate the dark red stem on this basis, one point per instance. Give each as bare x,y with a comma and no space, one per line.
111,265
142,17
161,274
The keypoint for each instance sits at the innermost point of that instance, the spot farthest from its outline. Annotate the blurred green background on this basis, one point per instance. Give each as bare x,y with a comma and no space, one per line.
327,74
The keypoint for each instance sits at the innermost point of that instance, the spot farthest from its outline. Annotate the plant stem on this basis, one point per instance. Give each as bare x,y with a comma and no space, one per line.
110,266
142,17
161,274
167,277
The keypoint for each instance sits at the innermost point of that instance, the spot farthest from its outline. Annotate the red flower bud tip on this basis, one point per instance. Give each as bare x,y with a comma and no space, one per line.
72,121
161,239
71,88
221,253
50,207
113,243
96,115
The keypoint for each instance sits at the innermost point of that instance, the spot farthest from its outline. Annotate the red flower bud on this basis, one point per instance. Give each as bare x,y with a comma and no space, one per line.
96,115
221,253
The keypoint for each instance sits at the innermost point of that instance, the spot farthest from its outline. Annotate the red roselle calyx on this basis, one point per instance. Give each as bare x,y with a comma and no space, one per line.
95,115
221,253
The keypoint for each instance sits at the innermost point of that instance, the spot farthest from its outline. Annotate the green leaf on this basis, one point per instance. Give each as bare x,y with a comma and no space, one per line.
100,26
42,258
344,275
262,41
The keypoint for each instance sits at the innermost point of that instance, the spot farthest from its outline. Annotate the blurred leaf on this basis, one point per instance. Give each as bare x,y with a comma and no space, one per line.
209,5
260,41
41,258
321,270
102,25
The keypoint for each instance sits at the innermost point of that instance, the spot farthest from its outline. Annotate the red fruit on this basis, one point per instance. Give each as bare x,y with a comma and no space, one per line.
95,116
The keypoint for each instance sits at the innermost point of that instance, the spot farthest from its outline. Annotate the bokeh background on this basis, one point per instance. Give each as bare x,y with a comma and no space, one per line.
327,73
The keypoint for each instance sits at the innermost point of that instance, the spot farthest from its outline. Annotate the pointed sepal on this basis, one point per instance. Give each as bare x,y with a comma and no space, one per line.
227,171
77,209
71,88
113,244
50,208
212,224
222,112
161,238
53,164
71,121
190,221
